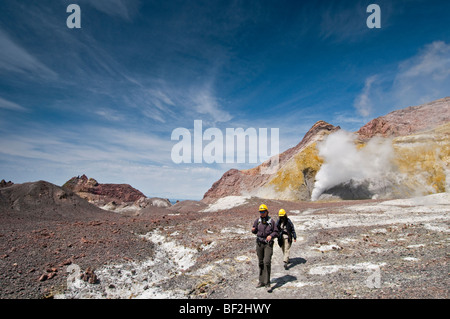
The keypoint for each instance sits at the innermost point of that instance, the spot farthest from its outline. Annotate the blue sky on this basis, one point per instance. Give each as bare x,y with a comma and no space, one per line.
103,100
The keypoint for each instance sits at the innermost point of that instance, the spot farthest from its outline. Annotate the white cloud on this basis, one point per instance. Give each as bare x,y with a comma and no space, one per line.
422,78
14,58
5,104
343,23
363,104
108,114
205,103
93,145
108,155
161,98
426,62
154,101
125,9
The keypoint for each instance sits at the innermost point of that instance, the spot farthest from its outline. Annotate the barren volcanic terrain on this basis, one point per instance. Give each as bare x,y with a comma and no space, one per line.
58,245
402,154
91,240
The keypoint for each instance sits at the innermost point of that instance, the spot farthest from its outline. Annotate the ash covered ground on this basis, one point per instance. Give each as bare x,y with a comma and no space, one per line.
63,247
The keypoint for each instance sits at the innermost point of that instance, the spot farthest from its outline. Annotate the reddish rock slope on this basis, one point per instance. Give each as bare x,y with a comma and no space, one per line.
408,121
90,189
245,182
295,176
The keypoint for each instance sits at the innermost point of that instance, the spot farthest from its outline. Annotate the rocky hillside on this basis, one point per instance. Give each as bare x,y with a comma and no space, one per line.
43,200
91,190
55,244
408,121
45,229
4,183
293,179
423,160
405,153
121,198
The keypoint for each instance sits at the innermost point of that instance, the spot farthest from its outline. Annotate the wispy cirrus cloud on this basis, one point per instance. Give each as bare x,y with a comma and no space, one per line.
346,21
422,78
108,154
363,103
124,9
8,105
103,100
166,103
425,76
342,22
96,144
14,58
205,102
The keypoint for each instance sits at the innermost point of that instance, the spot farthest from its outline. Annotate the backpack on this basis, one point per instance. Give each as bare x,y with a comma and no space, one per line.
269,222
291,231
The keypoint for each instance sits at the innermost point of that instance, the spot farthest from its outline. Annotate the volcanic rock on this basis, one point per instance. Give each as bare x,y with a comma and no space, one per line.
419,159
89,276
91,190
43,200
3,183
408,121
292,180
187,206
44,228
420,137
120,198
144,202
423,161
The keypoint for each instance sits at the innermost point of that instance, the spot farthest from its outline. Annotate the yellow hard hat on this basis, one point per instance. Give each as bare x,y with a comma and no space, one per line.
282,213
263,208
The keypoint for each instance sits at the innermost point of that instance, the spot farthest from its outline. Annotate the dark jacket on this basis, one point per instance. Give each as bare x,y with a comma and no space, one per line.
290,229
265,228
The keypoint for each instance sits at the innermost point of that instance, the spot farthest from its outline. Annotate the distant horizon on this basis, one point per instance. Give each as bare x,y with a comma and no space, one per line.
175,198
172,200
102,95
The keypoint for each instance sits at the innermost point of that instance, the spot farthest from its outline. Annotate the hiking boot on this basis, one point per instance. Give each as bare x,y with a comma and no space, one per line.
260,285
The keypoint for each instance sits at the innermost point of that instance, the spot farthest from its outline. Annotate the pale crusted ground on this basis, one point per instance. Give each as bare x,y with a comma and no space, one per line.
370,249
347,249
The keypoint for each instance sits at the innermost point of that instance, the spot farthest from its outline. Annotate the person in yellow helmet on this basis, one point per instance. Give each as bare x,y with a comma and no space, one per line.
286,235
266,231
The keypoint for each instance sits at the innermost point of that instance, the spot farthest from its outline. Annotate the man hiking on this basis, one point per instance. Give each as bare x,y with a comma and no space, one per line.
286,234
266,231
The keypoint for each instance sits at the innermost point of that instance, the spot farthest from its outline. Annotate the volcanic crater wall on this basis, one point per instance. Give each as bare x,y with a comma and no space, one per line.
402,154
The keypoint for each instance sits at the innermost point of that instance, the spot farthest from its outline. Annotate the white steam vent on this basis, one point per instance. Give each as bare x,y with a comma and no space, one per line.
344,161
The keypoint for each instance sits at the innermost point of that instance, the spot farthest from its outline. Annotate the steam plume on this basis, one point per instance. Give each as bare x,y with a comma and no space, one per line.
344,161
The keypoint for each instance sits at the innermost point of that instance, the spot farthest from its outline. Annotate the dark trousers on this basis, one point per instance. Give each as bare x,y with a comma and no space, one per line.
264,252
